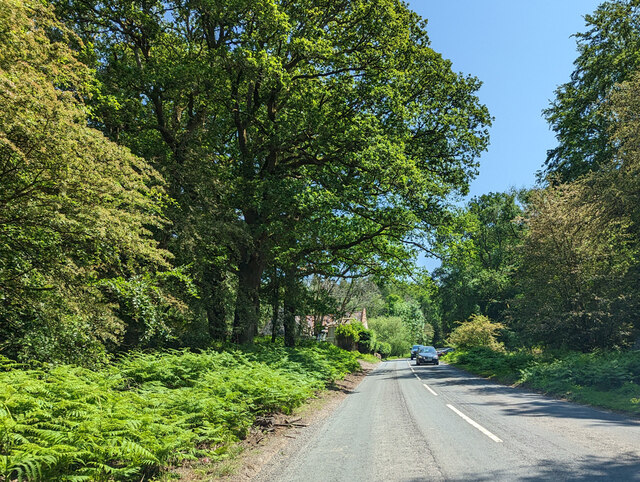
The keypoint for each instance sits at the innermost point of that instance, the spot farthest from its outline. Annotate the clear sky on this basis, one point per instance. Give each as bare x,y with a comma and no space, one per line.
521,50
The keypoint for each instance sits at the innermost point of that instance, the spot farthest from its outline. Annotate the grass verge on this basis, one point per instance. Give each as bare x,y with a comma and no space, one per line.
131,419
604,379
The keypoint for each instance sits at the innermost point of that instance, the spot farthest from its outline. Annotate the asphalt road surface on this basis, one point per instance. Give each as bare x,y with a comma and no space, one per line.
410,423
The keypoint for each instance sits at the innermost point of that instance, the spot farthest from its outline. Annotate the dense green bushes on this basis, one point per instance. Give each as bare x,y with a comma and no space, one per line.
484,361
131,418
354,335
608,379
605,371
394,332
477,331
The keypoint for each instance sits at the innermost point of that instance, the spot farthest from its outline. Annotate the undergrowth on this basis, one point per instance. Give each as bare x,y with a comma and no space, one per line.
605,379
147,411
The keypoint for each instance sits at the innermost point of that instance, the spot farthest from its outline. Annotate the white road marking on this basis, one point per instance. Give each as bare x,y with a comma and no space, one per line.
429,388
417,376
475,424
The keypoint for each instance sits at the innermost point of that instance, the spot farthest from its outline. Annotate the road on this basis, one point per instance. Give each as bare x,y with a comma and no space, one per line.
409,423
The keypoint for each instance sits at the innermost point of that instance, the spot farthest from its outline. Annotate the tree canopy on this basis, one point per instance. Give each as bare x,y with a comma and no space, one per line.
479,257
74,207
177,172
609,53
315,136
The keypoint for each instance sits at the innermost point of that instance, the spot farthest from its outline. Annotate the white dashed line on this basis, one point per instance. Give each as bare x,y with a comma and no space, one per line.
475,424
429,388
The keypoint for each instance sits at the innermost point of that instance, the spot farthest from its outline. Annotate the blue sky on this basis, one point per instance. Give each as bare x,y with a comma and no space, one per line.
521,51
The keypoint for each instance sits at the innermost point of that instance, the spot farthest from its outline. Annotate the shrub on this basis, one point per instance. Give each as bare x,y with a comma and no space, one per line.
367,341
348,335
478,331
610,380
384,349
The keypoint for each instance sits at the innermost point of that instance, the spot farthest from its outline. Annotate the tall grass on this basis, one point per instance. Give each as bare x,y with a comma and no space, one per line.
146,411
605,379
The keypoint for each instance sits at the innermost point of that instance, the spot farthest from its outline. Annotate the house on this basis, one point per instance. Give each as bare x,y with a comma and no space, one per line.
324,327
321,327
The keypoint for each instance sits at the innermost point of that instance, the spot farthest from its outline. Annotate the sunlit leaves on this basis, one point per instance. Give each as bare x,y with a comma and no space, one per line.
74,206
609,53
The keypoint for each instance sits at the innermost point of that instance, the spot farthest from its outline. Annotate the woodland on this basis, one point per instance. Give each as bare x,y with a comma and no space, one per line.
177,175
181,173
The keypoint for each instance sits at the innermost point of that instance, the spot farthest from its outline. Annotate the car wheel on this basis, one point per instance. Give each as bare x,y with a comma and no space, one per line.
417,362
437,363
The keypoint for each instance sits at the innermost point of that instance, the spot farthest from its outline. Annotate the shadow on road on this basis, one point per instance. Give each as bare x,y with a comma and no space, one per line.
625,467
486,392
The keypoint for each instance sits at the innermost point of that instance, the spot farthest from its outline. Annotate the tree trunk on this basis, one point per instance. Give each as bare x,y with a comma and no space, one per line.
217,318
247,312
275,303
215,304
290,303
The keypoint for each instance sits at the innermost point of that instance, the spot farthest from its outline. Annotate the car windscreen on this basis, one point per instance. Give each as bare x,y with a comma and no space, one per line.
428,349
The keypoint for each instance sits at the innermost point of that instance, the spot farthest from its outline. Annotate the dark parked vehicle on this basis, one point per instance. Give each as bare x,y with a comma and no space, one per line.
443,351
414,350
427,354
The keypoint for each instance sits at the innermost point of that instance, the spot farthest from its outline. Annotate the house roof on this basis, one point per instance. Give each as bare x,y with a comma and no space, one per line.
309,322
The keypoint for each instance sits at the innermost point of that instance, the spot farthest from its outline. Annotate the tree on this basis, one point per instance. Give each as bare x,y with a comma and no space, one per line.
577,288
479,257
75,208
624,195
609,52
310,133
580,258
391,330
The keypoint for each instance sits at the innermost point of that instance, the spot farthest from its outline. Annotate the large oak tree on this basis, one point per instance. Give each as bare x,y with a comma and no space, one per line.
290,132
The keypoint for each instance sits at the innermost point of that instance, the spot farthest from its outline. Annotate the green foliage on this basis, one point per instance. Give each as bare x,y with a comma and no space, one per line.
131,419
478,331
348,335
579,264
563,272
145,302
609,53
411,314
384,349
479,257
367,341
288,141
74,207
485,361
392,330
